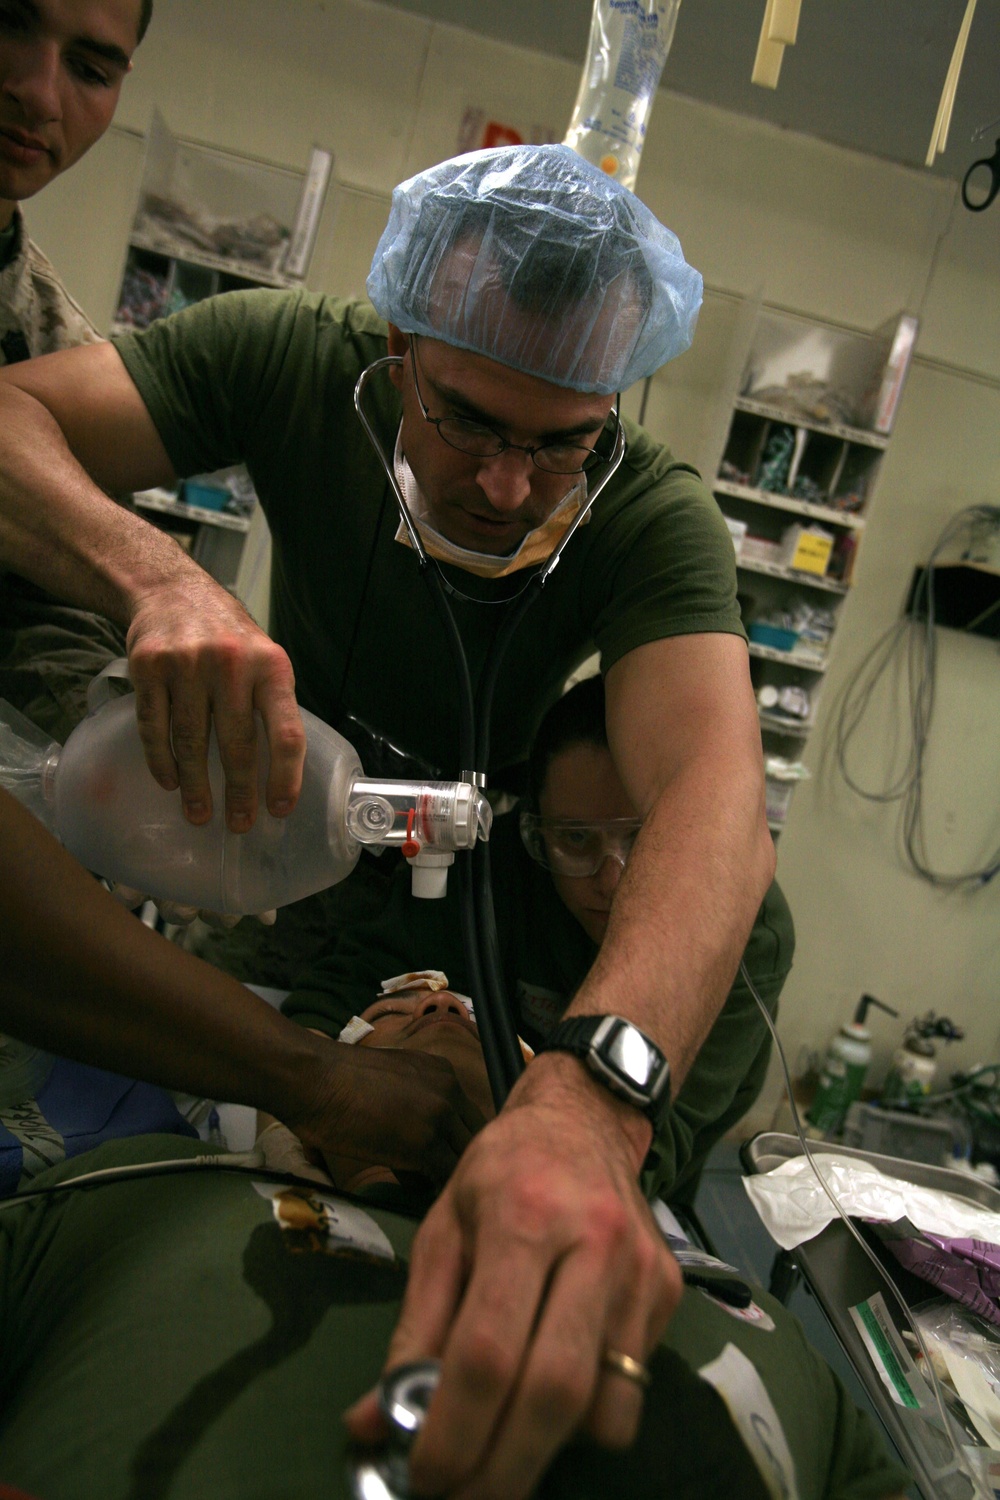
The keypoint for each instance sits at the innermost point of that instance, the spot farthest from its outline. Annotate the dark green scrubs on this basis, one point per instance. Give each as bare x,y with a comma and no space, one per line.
164,1339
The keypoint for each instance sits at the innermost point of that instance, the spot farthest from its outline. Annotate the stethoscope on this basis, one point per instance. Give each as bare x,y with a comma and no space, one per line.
501,1050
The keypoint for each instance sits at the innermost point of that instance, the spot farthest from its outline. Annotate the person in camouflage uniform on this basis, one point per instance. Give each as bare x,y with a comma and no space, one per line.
61,72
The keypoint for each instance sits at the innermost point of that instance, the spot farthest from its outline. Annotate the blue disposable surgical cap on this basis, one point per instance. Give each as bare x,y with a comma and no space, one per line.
535,258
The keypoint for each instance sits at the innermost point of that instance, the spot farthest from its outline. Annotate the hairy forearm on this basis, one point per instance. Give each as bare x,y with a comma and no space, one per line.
685,907
60,530
85,979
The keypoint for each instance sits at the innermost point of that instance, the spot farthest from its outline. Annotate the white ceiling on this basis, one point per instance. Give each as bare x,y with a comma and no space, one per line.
867,74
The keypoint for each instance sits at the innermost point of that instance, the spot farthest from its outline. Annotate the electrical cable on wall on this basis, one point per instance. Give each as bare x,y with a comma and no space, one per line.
916,633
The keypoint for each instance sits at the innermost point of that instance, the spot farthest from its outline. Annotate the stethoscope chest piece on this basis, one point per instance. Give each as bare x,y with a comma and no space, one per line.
404,1397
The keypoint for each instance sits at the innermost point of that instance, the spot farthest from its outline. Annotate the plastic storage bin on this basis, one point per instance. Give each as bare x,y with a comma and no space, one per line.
207,496
772,635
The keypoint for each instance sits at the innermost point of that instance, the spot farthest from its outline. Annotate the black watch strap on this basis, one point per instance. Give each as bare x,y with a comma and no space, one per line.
619,1056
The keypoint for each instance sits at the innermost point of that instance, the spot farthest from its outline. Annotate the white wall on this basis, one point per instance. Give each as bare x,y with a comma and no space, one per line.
761,212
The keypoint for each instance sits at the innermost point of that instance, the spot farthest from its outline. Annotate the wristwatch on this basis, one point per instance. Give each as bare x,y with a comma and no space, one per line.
621,1057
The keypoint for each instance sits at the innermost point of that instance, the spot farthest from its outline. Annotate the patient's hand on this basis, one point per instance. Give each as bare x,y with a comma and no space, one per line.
385,1107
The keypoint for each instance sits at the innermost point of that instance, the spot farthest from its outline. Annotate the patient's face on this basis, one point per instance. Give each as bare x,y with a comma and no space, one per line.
435,1022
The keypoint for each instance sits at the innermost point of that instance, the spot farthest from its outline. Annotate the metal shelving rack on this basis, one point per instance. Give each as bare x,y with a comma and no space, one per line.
786,358
194,203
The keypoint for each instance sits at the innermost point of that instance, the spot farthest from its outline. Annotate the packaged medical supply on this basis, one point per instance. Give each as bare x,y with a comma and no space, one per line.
97,796
966,1357
737,530
625,56
794,1206
807,549
963,1268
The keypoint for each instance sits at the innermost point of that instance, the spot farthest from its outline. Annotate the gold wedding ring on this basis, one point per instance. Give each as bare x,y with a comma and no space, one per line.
624,1364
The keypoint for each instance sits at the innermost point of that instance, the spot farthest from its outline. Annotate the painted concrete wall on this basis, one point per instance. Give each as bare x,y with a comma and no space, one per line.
762,213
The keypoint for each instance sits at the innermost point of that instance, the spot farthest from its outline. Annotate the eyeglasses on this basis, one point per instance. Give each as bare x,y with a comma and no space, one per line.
483,441
569,846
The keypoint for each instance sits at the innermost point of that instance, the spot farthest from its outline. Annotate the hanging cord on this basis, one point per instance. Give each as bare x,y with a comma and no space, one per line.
512,1058
509,1059
917,632
487,1014
501,1048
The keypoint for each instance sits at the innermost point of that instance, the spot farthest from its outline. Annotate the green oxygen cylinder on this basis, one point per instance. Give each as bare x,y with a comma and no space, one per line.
845,1066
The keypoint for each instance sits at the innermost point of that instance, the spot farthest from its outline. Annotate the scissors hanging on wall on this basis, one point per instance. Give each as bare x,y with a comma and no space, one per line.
991,164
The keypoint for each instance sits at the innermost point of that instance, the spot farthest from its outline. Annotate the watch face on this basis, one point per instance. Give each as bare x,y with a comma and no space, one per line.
632,1057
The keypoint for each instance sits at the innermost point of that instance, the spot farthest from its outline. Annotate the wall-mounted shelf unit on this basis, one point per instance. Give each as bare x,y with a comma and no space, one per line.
795,477
166,503
788,420
787,503
210,222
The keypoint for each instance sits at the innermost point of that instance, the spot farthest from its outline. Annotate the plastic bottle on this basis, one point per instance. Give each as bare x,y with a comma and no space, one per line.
629,42
845,1066
911,1073
97,795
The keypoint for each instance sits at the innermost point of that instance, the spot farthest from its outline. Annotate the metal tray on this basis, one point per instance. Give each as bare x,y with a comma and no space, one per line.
840,1275
770,1149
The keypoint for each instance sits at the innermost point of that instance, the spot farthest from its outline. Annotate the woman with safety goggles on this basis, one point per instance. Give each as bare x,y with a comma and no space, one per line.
585,825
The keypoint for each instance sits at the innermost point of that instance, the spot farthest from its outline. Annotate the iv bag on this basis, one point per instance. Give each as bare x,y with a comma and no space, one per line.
625,56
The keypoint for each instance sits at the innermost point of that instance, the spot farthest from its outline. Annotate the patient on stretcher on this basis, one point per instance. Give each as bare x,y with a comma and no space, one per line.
198,1334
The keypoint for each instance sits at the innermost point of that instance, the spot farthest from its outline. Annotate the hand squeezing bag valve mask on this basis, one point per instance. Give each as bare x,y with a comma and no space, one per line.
97,796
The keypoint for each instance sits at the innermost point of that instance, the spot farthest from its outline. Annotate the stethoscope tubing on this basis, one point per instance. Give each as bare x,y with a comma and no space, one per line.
501,1049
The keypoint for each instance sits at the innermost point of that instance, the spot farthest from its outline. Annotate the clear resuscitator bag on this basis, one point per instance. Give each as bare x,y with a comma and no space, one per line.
97,796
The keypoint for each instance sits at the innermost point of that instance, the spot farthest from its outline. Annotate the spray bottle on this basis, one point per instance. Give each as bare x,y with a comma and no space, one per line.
97,796
845,1065
625,56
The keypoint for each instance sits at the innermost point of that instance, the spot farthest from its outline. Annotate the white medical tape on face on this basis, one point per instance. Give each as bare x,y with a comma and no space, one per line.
355,1031
424,979
417,979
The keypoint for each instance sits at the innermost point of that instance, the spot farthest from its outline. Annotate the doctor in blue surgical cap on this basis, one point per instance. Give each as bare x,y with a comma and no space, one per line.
518,292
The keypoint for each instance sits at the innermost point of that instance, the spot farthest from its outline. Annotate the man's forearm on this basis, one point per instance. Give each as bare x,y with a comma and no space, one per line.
683,912
73,430
61,531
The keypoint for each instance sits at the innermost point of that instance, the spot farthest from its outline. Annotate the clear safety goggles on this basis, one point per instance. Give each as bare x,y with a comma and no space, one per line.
574,847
